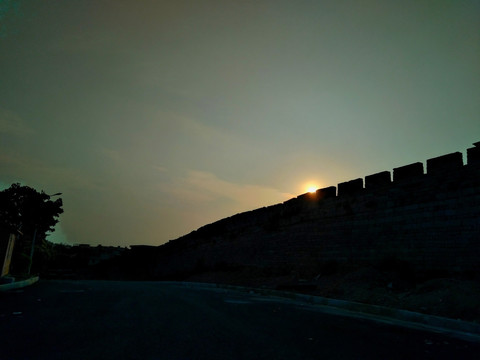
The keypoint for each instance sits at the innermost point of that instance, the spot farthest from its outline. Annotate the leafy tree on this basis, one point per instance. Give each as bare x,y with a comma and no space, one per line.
32,213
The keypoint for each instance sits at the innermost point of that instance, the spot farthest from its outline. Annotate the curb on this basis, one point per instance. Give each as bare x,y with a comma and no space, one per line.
19,284
405,318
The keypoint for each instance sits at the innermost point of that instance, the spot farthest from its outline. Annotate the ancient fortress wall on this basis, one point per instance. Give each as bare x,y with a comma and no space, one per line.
425,214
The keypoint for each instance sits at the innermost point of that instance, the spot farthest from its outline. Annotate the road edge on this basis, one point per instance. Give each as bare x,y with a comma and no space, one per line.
19,284
405,318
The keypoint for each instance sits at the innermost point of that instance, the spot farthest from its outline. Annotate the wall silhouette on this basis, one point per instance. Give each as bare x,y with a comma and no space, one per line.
430,219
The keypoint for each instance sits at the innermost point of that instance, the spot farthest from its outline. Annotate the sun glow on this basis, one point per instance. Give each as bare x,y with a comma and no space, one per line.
312,188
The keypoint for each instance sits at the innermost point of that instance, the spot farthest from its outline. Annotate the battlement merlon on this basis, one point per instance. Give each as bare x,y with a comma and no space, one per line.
408,171
350,187
473,155
378,180
444,163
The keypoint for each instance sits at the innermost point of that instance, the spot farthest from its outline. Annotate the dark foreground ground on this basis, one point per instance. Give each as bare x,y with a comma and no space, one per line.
153,320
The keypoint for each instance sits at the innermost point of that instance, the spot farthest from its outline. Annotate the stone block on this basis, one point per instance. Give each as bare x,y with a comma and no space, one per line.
377,180
408,171
350,187
444,163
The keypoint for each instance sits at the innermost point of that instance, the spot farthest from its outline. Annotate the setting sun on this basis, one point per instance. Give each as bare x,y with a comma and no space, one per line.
310,186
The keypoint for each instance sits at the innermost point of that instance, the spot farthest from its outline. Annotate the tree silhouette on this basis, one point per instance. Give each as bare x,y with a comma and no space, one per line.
32,213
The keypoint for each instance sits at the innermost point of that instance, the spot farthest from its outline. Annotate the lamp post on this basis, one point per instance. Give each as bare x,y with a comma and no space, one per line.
33,240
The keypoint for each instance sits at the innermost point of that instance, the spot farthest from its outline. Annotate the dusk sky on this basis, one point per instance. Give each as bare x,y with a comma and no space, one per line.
155,117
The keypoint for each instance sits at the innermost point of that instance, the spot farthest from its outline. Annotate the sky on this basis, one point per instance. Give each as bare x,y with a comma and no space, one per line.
154,118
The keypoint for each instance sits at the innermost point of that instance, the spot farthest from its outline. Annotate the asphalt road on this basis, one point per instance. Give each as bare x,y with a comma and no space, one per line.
149,320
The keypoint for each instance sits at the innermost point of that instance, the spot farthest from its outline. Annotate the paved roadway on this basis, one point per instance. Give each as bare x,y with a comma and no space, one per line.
148,320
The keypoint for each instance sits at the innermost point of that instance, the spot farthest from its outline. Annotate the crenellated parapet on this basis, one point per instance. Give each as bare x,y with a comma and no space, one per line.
446,165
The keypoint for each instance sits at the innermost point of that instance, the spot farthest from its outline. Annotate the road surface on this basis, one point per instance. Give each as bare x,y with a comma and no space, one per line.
152,320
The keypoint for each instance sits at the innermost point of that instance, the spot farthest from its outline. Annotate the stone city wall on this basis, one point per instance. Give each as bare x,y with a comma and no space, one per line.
430,219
